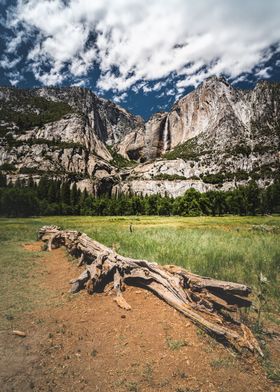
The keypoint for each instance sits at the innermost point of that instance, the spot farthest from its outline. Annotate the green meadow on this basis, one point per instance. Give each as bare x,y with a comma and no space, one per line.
230,248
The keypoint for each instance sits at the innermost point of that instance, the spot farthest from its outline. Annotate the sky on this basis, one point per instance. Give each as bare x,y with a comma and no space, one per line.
142,54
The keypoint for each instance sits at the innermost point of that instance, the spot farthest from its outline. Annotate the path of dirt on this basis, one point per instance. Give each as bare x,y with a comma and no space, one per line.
86,343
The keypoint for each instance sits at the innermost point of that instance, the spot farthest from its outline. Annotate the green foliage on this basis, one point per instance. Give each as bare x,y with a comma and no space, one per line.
15,202
8,167
169,177
188,204
31,111
219,178
30,170
262,149
240,149
216,202
3,180
118,160
174,344
57,197
241,175
186,151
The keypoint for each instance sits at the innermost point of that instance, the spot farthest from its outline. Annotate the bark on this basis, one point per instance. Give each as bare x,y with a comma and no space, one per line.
210,304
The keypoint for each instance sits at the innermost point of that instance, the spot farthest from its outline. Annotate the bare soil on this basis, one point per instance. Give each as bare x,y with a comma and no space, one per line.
87,343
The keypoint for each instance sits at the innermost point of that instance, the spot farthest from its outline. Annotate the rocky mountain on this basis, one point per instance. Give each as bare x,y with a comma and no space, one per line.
216,137
62,132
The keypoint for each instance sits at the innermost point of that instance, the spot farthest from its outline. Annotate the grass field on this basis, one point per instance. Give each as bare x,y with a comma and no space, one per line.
230,248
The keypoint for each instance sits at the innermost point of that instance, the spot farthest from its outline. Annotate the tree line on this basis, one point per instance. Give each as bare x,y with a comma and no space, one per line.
57,197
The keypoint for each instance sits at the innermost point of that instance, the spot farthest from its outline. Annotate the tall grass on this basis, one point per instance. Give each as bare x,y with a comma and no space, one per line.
222,247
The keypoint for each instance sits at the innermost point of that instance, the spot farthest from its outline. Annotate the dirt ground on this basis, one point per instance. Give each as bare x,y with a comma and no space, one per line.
86,343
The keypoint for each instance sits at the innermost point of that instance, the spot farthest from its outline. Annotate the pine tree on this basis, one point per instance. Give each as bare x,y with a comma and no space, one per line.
3,180
253,197
164,206
30,182
18,183
52,192
43,187
74,196
65,192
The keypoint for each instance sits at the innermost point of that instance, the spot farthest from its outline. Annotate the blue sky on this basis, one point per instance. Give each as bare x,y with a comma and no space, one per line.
142,54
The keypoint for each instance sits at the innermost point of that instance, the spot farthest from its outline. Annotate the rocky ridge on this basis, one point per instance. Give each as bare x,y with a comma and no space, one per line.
216,137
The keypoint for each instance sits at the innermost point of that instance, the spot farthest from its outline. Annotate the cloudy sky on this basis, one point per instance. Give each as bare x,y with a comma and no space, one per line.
142,54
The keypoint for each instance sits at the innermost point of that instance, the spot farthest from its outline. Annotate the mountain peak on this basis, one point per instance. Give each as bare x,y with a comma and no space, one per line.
214,79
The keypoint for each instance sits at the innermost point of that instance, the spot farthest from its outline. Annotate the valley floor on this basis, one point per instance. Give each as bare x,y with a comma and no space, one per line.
86,343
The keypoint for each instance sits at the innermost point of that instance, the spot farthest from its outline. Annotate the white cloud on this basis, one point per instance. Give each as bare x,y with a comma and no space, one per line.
14,78
147,89
146,40
79,83
120,98
264,73
6,63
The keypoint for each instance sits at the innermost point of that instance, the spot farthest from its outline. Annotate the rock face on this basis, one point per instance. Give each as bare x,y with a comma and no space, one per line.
108,121
215,110
216,137
62,132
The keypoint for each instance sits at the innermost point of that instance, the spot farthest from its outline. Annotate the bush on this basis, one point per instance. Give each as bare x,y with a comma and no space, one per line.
118,160
186,151
8,167
169,177
30,170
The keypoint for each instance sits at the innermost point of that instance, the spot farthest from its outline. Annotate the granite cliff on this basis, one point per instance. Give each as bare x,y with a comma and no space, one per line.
216,137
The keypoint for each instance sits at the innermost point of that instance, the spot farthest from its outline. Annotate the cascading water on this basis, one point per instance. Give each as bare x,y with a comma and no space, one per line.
166,135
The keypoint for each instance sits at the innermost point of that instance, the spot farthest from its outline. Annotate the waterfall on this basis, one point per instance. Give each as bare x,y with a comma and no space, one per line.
166,135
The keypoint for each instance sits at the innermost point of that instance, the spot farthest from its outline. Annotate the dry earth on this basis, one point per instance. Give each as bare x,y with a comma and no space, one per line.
86,343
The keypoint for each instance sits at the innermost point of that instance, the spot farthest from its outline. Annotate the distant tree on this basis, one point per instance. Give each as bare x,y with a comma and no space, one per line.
30,182
74,195
188,204
52,192
194,208
253,197
164,206
3,180
65,192
43,187
18,203
150,203
137,205
204,204
18,183
217,202
274,197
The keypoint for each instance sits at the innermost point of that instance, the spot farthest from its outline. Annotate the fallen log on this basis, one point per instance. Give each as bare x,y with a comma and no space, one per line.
210,304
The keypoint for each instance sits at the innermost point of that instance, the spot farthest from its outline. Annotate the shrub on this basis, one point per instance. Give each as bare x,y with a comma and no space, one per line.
8,167
118,160
169,177
37,111
186,151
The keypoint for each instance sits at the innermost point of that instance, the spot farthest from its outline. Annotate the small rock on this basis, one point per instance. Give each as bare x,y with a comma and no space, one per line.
19,333
123,316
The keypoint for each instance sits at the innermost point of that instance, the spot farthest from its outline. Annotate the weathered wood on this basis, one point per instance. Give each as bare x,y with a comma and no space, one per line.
209,303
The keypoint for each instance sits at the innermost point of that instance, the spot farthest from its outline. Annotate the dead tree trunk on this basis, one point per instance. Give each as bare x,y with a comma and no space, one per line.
209,303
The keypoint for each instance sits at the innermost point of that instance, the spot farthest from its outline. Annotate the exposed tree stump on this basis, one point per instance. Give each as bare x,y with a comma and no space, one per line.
209,303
